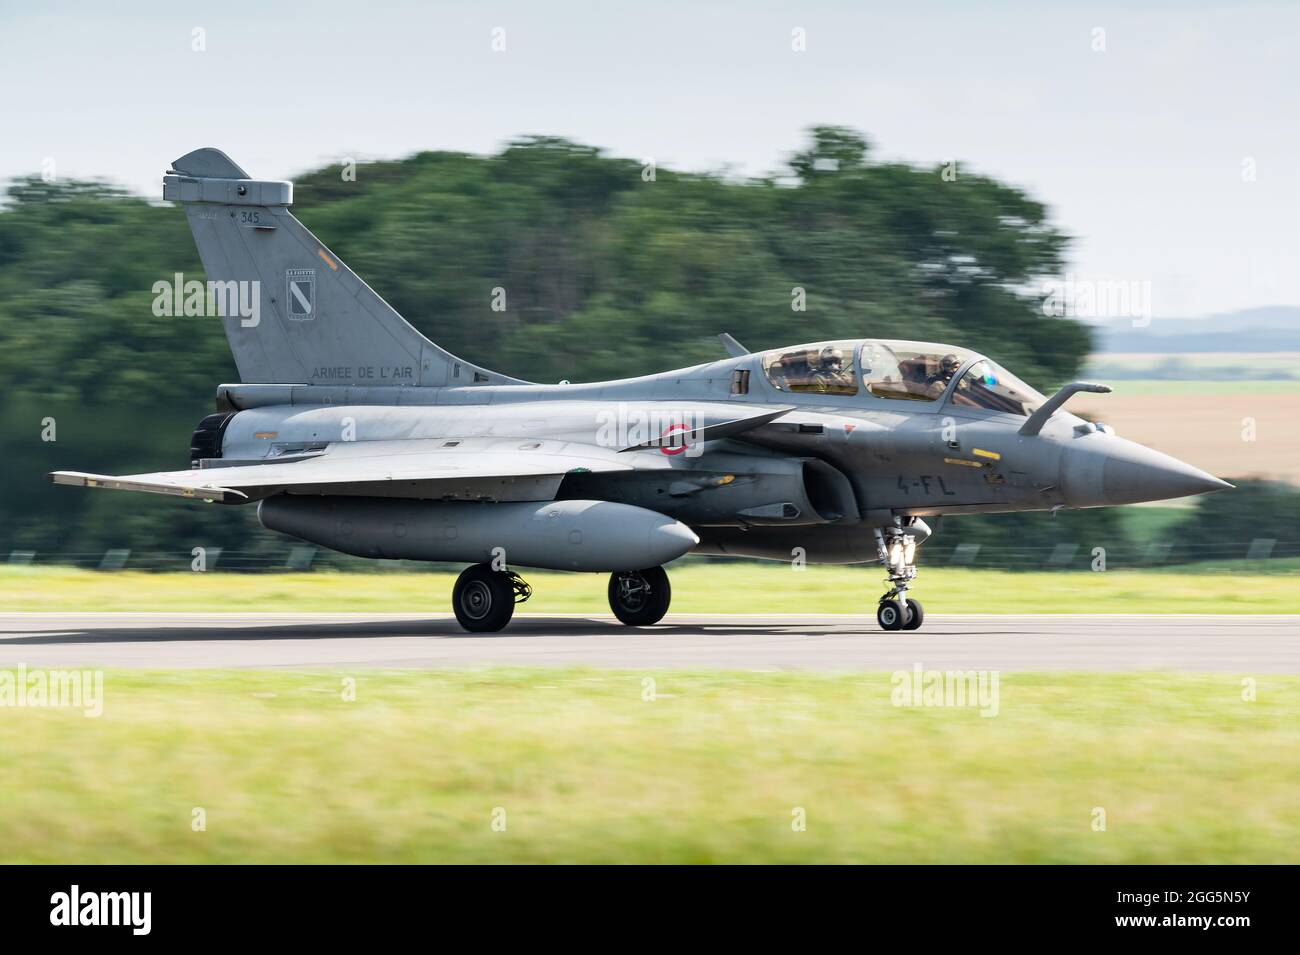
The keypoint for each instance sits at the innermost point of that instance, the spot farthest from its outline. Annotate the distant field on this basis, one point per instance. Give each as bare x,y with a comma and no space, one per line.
1272,587
1208,423
1238,366
1155,386
583,766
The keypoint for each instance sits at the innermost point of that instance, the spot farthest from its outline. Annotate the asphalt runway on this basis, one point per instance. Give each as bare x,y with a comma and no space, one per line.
1235,644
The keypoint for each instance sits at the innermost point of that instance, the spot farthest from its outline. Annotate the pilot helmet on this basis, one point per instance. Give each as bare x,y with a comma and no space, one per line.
831,357
950,364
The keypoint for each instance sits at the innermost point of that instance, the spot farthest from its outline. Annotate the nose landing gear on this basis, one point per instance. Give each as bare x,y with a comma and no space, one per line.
896,610
891,615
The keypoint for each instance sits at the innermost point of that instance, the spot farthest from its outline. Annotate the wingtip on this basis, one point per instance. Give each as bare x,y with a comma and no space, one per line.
67,478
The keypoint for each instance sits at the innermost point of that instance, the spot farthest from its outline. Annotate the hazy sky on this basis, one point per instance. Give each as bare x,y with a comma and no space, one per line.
1139,150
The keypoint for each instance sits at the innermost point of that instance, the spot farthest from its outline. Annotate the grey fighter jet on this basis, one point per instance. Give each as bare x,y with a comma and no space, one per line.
351,430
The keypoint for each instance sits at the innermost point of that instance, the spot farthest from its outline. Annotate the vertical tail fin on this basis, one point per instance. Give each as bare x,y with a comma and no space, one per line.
314,320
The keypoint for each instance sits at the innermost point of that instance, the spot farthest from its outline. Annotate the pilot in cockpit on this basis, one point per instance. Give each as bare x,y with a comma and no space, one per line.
949,365
828,373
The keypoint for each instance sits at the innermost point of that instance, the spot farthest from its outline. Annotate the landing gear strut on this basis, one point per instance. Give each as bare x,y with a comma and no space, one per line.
639,597
896,548
484,599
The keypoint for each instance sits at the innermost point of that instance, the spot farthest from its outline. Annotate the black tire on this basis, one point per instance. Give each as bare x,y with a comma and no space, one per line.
645,600
890,615
483,599
915,614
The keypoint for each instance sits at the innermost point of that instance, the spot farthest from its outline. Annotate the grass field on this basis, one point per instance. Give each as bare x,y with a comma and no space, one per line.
713,769
1246,369
697,588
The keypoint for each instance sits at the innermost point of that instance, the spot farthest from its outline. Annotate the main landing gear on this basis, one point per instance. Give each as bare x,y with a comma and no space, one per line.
484,599
639,597
896,547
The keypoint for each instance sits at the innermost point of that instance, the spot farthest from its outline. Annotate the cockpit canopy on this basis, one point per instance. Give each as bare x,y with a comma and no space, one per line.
898,370
986,385
827,368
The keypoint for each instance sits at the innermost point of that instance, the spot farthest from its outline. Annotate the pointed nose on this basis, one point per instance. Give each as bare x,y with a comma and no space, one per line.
1115,471
1133,473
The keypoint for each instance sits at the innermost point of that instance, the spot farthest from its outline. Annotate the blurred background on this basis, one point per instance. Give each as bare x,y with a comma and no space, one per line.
638,185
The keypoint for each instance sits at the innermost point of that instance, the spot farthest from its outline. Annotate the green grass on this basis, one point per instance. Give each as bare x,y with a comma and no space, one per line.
1265,587
709,771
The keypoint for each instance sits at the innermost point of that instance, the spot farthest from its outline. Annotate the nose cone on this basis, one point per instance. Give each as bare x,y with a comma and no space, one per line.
1115,471
1133,473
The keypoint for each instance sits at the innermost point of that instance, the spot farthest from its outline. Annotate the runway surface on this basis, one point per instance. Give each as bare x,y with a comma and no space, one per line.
1244,644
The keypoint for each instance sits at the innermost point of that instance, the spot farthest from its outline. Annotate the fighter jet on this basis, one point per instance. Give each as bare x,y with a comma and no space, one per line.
351,430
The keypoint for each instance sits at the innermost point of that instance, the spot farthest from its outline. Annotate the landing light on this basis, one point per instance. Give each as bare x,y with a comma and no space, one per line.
902,551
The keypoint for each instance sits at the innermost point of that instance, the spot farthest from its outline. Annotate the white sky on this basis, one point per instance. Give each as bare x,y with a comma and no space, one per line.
1138,150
